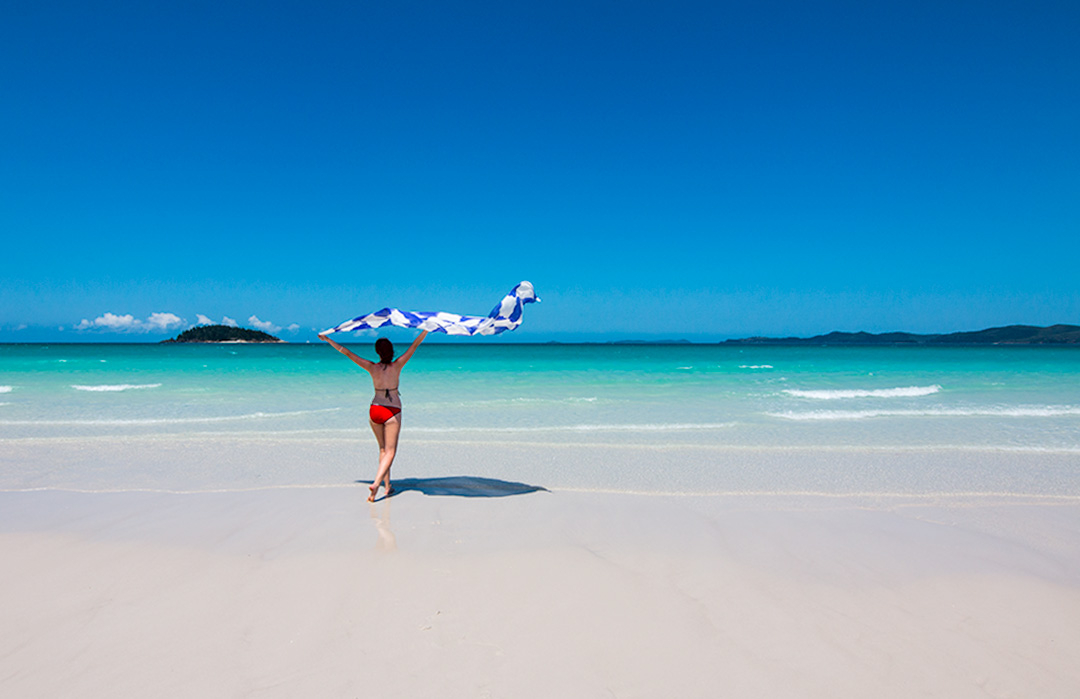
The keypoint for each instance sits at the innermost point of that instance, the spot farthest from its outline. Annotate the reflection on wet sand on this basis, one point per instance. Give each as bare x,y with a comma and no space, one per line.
380,514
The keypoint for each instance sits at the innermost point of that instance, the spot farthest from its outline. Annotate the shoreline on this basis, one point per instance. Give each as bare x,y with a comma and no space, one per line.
224,342
231,460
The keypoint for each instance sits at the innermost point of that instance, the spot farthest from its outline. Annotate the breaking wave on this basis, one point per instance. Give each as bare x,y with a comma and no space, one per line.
902,392
1020,411
116,387
166,421
654,427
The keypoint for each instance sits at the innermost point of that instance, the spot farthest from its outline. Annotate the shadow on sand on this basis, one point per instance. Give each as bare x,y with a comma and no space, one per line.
462,487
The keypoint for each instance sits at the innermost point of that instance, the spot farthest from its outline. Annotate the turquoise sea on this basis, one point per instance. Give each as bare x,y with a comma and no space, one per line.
642,418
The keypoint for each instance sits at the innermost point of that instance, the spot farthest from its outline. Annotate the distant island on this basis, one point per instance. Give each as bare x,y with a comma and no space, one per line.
1008,335
222,333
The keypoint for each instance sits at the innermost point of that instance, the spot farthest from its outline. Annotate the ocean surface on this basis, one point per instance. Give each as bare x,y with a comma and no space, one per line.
634,418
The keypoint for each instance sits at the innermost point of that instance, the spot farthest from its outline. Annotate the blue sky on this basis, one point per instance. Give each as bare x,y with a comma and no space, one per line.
696,170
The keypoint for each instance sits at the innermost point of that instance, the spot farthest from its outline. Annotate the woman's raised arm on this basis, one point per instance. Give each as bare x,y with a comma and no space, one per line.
365,363
412,348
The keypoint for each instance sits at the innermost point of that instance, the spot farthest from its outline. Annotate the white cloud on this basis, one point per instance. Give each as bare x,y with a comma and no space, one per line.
109,321
293,328
160,322
207,320
127,323
264,325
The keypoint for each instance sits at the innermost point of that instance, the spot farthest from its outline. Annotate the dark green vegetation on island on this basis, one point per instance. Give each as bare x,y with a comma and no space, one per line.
223,333
1008,335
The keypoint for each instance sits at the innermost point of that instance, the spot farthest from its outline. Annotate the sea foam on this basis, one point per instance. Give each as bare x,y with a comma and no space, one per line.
901,392
116,387
1018,411
120,422
5,389
651,427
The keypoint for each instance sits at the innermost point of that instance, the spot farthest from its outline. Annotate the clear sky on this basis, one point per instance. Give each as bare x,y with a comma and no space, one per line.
664,169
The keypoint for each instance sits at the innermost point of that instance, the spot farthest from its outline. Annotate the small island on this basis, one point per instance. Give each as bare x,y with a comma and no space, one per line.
222,333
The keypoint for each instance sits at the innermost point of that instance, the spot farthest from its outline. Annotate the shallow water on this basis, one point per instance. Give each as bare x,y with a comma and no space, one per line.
1011,403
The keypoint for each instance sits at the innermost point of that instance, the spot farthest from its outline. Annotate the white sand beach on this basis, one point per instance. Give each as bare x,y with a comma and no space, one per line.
313,592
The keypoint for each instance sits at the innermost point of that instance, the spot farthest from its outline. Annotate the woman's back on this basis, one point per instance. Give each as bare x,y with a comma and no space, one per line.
385,376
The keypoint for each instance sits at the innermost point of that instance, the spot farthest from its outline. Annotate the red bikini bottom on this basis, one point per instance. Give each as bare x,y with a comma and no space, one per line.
379,414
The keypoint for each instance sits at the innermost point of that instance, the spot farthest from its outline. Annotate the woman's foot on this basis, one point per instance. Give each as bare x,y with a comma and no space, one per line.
374,488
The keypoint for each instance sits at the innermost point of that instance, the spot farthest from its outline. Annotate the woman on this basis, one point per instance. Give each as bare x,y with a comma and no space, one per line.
385,412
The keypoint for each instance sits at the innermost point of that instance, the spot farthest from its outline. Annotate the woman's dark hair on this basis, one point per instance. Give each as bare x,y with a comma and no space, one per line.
385,348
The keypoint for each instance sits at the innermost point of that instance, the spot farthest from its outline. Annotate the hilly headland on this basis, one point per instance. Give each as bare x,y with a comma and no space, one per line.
1007,335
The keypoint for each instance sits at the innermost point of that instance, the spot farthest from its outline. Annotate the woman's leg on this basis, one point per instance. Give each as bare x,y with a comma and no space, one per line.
380,437
387,436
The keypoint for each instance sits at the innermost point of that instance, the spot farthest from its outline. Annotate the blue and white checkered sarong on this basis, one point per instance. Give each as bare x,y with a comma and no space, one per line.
506,316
